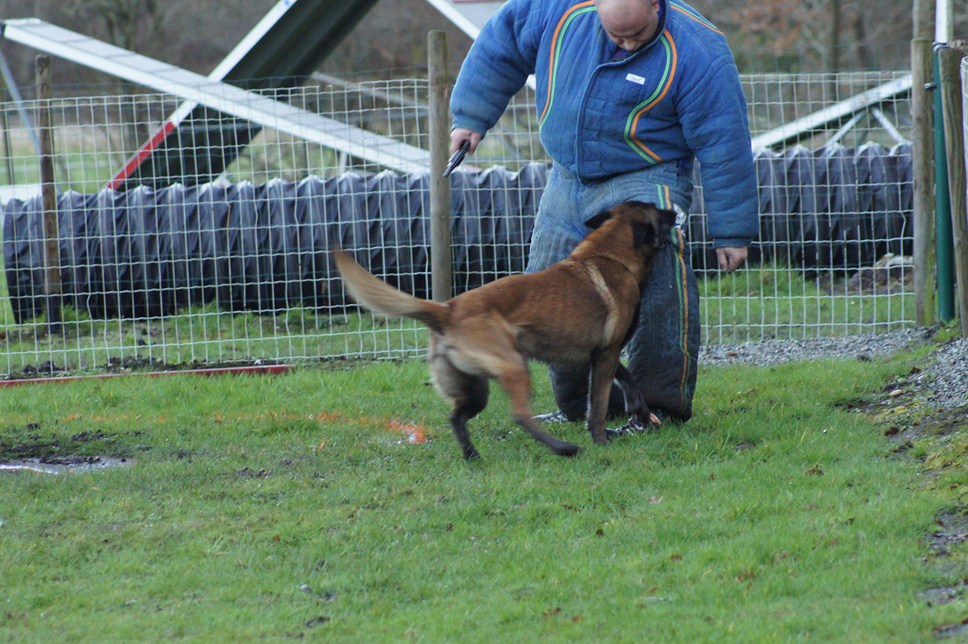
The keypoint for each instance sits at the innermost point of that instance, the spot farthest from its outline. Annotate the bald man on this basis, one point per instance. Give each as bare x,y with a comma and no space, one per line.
630,94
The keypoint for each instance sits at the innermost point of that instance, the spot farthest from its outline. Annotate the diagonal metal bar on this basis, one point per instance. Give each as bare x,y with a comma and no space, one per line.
216,95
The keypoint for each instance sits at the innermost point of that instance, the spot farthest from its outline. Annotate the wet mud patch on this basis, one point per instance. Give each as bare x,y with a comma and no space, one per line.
952,532
63,464
908,427
249,473
30,449
133,365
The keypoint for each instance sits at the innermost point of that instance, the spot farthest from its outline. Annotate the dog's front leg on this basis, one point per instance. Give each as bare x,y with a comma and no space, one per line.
603,369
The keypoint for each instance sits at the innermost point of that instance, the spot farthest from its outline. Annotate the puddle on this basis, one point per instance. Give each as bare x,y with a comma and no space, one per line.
64,464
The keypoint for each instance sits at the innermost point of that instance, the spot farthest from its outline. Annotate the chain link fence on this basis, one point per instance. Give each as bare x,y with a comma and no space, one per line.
183,270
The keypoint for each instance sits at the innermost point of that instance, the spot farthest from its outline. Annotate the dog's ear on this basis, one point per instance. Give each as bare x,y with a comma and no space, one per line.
599,219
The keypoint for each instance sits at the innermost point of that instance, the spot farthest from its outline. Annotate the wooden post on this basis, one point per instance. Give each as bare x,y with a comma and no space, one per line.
7,147
924,19
52,279
833,47
922,135
441,271
951,103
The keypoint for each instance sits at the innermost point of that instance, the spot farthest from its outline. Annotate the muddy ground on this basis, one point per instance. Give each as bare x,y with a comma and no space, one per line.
938,438
132,365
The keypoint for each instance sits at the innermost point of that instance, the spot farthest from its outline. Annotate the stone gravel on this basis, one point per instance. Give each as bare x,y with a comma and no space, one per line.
943,380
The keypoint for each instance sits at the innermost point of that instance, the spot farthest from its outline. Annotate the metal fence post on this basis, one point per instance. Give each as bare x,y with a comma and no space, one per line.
946,296
441,271
955,143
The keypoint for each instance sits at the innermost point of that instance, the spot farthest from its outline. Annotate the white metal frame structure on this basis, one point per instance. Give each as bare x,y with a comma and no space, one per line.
845,111
197,89
468,15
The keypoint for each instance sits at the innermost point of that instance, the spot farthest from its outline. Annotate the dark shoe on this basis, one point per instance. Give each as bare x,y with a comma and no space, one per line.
556,416
633,426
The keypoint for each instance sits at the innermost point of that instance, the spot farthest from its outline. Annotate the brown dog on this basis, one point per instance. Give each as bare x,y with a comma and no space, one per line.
580,311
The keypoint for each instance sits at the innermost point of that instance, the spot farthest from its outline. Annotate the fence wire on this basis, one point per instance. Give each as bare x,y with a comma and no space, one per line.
282,200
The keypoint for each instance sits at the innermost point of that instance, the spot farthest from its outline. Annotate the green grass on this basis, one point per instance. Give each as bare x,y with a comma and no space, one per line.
754,304
773,301
276,507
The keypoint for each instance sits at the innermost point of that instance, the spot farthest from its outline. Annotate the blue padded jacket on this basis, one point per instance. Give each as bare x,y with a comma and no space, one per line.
602,114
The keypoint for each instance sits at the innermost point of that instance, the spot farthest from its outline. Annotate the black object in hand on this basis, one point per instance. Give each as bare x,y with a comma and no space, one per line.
457,157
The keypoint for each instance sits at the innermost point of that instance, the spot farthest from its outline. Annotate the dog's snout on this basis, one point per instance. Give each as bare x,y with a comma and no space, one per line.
668,218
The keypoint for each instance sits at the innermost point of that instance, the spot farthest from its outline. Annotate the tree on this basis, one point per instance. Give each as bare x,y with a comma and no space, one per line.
814,35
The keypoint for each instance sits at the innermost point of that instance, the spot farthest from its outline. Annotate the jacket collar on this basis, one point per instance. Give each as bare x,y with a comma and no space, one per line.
663,16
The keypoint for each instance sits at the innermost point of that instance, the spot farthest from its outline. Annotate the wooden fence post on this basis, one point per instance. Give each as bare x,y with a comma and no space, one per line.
923,18
922,135
951,103
52,278
441,264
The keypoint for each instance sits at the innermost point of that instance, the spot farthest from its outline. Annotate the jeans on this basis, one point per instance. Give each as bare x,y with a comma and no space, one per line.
663,352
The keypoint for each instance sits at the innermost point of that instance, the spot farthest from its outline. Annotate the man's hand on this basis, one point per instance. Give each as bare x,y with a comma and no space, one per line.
730,258
460,134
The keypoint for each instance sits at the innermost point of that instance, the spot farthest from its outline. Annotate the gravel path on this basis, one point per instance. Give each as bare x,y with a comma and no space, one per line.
944,378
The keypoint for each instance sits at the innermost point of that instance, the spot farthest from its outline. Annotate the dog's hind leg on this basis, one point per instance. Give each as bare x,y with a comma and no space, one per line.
466,393
472,400
635,404
516,381
489,348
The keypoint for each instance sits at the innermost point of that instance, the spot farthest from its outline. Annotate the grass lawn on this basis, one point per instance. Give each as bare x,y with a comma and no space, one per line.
277,507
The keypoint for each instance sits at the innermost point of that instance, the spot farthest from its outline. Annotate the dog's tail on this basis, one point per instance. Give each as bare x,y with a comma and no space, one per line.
378,296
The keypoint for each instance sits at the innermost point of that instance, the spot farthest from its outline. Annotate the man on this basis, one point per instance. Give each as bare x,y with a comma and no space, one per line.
629,94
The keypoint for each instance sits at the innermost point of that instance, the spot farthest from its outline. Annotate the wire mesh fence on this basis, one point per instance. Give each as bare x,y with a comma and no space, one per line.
179,269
